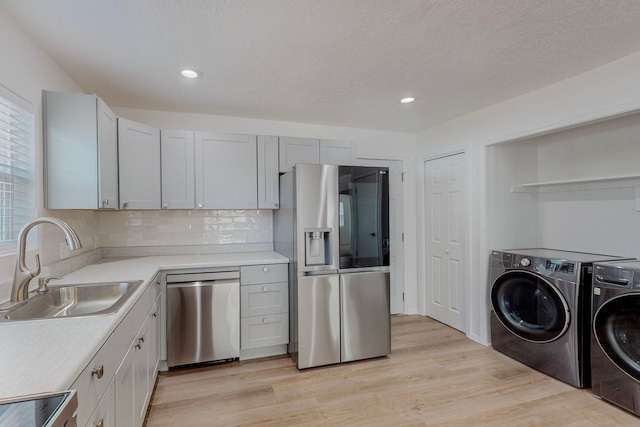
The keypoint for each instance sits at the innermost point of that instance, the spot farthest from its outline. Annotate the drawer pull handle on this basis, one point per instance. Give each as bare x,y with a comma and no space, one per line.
100,424
141,339
265,289
155,314
265,269
98,372
264,320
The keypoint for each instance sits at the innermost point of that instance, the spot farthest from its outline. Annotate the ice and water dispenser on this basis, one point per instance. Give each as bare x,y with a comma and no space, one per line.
317,246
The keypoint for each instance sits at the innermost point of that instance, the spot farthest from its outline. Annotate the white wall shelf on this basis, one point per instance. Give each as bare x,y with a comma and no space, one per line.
586,184
620,181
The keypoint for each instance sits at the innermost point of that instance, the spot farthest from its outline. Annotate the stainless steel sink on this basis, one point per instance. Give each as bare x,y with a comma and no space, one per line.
75,301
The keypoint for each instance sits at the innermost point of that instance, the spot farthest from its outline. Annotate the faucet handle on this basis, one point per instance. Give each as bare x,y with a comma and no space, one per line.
43,282
35,270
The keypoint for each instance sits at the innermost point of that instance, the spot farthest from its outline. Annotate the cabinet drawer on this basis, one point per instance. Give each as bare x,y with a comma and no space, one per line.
127,331
264,331
259,300
256,274
94,380
106,410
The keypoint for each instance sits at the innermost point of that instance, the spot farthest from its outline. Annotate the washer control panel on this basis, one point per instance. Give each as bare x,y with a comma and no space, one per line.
558,268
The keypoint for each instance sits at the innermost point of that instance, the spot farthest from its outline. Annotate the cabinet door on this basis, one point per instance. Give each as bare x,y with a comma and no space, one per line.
148,358
268,176
107,157
125,384
139,165
154,345
178,162
226,171
142,361
69,122
335,152
298,150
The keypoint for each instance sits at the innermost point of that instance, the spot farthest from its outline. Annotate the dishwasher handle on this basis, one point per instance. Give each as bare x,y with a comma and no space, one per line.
202,277
203,284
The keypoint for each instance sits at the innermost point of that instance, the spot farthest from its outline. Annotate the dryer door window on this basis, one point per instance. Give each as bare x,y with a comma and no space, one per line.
616,326
530,306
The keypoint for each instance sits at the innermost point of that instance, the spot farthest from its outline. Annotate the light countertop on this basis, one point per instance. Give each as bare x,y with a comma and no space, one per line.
47,355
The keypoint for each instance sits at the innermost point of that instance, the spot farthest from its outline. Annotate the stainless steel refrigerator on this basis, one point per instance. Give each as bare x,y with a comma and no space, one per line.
333,224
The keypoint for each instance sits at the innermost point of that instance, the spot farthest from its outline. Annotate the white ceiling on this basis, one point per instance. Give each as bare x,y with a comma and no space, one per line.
334,62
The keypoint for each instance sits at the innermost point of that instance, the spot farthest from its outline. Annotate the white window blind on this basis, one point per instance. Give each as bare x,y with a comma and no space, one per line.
16,167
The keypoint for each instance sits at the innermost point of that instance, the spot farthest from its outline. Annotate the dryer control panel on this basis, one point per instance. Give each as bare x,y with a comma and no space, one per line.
616,276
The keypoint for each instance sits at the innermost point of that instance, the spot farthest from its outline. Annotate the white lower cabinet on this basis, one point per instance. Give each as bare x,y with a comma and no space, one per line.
105,413
116,387
264,306
136,376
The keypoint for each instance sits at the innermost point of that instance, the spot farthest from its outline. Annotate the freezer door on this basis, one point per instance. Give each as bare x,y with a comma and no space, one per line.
318,320
366,322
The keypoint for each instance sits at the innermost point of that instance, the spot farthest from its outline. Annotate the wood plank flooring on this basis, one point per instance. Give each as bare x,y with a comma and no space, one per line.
435,376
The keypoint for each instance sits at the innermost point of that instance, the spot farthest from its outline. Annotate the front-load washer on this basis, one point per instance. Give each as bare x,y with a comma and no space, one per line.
540,309
615,345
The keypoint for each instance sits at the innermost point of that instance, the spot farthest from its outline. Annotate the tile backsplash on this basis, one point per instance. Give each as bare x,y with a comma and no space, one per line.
139,233
194,227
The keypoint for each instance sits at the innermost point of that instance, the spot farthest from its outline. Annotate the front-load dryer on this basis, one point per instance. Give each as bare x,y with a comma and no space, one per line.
540,309
615,346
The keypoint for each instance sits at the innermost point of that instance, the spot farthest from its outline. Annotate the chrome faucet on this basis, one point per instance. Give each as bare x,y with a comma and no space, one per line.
24,274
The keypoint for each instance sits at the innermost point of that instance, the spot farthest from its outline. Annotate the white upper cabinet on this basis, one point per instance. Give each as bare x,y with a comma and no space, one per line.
139,165
298,150
268,176
177,151
308,150
80,144
226,171
336,152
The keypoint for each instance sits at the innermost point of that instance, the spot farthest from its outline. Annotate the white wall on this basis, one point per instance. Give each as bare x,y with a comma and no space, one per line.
26,70
606,91
596,217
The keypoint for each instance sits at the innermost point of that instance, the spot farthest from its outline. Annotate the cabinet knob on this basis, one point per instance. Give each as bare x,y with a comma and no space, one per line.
275,205
125,205
98,372
264,320
105,202
265,269
99,424
165,205
199,205
265,289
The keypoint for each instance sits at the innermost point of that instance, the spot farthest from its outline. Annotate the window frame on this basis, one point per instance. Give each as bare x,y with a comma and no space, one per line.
17,167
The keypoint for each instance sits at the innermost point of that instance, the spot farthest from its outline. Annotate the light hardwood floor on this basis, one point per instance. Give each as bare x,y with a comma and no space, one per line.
435,376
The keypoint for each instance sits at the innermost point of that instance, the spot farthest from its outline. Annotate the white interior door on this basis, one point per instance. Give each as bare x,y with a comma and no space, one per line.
445,266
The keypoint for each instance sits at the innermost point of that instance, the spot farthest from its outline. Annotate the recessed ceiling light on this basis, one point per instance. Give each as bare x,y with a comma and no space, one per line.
407,100
190,74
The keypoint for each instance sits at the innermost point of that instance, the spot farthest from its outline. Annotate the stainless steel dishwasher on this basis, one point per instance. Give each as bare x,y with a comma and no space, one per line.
203,317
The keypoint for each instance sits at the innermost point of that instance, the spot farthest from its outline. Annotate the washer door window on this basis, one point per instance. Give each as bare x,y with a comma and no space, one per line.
616,326
530,306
